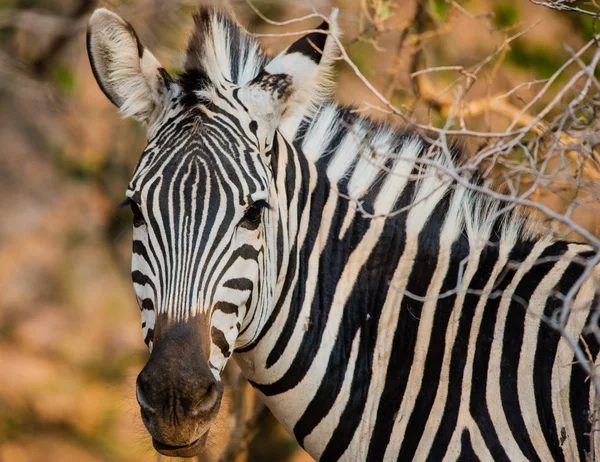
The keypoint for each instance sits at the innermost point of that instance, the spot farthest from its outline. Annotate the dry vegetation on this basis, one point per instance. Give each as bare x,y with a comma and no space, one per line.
515,82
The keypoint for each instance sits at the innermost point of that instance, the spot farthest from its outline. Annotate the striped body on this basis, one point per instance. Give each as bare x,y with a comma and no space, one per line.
383,306
357,368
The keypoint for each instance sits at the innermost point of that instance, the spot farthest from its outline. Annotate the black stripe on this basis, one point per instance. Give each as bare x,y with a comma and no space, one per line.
547,346
177,211
302,130
240,283
579,389
487,261
405,337
485,337
140,249
149,336
435,354
345,117
147,304
280,230
312,44
318,198
319,308
152,224
511,349
365,308
140,278
290,174
218,338
226,307
191,181
466,448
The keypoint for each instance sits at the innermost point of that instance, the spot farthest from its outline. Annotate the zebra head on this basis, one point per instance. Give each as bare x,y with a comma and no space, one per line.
204,202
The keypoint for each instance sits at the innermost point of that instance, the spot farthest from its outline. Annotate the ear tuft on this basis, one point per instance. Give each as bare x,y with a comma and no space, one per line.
265,97
128,74
277,86
294,83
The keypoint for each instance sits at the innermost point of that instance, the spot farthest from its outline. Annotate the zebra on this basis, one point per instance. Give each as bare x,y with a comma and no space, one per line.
381,309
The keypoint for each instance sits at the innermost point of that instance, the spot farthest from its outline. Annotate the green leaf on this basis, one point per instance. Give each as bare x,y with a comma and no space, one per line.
440,8
384,11
543,60
506,15
64,79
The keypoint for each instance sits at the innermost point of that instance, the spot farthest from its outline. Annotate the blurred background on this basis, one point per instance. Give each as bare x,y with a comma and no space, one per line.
70,336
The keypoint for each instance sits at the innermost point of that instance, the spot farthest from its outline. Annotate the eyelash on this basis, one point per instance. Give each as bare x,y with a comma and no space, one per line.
254,212
138,216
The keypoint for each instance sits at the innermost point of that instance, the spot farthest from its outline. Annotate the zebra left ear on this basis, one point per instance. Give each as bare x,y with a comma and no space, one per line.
128,74
296,80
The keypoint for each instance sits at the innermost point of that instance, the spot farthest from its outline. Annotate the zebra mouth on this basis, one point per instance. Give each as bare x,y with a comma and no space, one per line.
188,450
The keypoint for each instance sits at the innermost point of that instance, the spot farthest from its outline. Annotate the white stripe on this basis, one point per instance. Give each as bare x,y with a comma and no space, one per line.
493,393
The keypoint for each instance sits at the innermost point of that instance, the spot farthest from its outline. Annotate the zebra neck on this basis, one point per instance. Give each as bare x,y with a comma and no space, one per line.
334,268
349,228
369,308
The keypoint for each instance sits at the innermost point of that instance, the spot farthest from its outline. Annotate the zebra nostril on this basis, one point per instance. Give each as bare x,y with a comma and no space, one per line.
141,397
208,401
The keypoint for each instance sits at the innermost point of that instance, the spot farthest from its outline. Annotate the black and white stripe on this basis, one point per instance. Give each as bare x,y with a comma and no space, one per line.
405,323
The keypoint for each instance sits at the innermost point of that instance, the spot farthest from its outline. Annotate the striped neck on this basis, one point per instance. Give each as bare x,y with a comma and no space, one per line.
349,224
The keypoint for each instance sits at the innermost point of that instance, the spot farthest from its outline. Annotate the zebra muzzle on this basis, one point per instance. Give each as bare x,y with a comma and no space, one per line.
178,394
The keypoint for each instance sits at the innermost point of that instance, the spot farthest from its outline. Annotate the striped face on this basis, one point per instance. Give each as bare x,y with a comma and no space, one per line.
203,201
200,200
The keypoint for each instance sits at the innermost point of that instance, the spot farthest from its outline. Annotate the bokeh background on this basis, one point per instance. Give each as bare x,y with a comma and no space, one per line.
70,339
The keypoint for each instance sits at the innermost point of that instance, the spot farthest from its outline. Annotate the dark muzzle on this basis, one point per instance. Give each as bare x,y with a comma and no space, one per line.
178,395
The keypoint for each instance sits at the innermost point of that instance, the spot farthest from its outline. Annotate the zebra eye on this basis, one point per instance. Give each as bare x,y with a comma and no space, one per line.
138,217
254,212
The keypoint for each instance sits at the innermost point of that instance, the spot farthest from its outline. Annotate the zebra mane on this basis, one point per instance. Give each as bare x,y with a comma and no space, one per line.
219,49
373,163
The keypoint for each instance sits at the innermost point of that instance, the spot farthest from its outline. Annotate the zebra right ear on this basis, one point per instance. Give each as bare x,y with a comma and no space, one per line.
128,74
296,80
301,75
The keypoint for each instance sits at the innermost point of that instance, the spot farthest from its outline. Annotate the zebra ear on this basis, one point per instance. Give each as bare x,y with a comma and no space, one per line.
128,74
299,78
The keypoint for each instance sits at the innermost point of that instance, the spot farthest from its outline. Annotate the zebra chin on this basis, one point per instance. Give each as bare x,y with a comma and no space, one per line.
178,394
193,449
